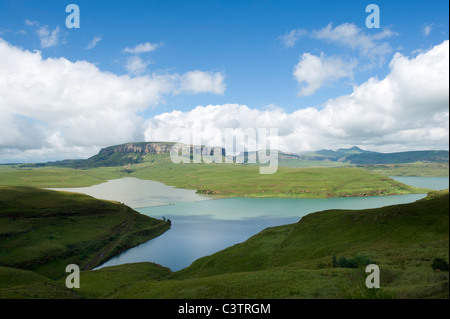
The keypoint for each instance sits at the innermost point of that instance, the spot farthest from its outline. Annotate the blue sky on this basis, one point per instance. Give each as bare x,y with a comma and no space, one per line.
250,48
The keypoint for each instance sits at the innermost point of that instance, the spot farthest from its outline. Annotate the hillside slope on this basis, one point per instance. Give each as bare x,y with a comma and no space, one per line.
44,231
290,261
295,261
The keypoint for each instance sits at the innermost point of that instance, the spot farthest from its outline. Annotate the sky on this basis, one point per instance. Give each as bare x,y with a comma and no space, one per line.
156,70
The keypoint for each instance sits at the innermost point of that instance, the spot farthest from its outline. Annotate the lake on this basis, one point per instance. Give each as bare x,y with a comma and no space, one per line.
202,227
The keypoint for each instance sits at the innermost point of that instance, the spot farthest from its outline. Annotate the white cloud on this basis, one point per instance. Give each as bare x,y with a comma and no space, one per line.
142,48
55,105
55,108
93,43
202,82
136,66
348,34
312,71
49,38
406,110
290,38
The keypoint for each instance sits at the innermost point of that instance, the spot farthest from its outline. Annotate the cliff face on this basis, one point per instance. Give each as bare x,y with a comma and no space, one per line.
144,148
148,148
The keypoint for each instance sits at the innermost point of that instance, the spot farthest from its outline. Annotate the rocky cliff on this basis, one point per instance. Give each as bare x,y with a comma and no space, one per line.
143,148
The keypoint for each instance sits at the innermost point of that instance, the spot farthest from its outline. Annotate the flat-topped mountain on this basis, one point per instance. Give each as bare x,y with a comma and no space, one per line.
137,152
142,147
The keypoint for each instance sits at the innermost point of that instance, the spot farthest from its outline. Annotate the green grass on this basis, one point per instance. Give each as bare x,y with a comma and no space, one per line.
289,261
402,239
44,231
242,180
23,284
53,177
227,180
311,163
295,261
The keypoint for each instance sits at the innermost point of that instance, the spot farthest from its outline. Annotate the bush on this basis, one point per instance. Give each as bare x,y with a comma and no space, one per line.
358,261
440,264
347,263
364,261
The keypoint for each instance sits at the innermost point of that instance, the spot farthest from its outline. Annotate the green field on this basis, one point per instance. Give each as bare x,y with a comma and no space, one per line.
53,177
44,230
290,261
226,180
242,180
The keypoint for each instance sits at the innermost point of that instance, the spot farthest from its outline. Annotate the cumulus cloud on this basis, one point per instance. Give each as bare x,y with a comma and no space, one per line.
142,48
48,104
55,108
406,110
312,71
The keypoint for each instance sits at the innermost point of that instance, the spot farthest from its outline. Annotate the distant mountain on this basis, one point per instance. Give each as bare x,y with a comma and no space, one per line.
338,155
356,155
400,157
126,154
134,153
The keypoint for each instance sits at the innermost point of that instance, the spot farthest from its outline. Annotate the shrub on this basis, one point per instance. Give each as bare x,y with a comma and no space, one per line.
440,264
358,261
347,263
364,261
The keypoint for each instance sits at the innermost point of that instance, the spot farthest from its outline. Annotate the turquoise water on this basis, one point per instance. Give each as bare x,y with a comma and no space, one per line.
438,183
201,226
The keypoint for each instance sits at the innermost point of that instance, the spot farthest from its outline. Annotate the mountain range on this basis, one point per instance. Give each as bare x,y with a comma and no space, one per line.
134,153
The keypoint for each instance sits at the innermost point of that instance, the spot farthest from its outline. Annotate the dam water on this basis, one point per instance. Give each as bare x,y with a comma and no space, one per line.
201,226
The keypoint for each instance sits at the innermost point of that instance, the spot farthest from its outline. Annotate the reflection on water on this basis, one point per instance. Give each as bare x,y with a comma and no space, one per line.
135,192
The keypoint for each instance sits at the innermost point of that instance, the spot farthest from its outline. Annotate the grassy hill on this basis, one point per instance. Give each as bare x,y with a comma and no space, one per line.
44,231
296,260
289,261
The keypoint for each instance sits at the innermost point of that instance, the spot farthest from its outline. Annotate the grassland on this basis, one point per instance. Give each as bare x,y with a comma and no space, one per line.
52,177
44,231
227,180
242,180
289,261
295,261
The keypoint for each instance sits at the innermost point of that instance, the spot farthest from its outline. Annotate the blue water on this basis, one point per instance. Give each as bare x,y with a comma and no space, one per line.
201,228
438,183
